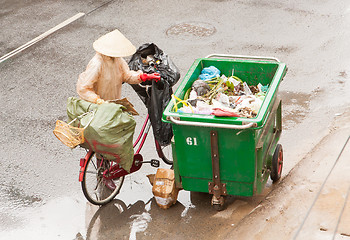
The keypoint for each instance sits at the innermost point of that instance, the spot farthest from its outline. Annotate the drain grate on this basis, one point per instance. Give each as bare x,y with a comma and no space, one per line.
196,29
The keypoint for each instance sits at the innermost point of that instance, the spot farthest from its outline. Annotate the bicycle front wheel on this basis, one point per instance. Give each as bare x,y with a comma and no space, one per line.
97,189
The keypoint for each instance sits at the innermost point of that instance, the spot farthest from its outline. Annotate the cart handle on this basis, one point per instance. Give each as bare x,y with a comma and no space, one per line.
216,125
243,57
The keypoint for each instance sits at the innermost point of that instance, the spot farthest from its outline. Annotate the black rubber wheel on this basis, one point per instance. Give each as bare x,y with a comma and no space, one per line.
219,207
218,203
94,186
277,164
165,153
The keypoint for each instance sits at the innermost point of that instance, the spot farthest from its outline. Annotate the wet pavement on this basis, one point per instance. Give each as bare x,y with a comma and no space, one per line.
313,201
41,195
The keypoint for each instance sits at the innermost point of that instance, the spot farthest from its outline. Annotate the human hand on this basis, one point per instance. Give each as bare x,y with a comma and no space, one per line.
154,76
100,101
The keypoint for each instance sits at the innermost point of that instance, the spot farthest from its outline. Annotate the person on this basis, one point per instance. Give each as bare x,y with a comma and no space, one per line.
107,70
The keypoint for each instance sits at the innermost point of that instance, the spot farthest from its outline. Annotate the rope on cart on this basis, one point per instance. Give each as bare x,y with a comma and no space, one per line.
319,192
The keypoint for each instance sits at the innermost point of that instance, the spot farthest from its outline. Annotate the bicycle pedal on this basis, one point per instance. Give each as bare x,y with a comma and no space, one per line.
155,163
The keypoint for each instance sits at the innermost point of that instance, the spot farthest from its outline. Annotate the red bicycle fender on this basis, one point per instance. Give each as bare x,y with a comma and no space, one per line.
83,162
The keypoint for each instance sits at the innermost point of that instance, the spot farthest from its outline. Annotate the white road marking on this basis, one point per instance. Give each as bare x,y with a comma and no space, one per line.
41,37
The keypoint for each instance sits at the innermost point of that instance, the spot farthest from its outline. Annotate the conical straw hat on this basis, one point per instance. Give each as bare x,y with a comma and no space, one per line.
114,44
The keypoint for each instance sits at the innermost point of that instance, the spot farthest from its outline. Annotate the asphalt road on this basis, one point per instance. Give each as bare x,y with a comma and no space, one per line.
39,175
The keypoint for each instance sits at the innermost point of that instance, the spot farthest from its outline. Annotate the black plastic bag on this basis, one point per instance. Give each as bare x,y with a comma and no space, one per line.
155,95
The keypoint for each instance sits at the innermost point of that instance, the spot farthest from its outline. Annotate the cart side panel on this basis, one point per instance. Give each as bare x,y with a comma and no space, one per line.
266,141
236,156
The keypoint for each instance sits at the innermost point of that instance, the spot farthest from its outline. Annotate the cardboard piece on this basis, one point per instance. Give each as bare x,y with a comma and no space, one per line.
164,189
125,102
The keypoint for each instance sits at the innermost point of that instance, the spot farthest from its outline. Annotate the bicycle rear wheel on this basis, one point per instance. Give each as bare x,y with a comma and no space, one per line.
165,153
96,188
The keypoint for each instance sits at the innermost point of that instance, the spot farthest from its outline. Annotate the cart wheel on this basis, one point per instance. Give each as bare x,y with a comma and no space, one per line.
218,203
218,207
277,164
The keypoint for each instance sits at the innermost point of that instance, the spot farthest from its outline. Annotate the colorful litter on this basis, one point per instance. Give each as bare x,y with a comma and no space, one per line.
212,94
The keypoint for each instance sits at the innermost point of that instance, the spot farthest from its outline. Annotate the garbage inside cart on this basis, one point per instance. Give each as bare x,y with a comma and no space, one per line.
220,95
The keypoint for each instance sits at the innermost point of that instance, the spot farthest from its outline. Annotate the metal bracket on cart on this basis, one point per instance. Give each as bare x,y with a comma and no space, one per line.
216,188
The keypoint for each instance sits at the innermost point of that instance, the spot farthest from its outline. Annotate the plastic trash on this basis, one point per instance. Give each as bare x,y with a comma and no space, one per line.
150,59
187,109
200,108
200,87
193,95
255,105
219,112
262,88
209,73
248,106
224,99
246,89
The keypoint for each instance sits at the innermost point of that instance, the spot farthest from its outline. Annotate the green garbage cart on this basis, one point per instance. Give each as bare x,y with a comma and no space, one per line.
229,155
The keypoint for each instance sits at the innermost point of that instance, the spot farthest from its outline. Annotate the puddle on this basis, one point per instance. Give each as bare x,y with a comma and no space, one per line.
61,218
184,198
14,198
295,107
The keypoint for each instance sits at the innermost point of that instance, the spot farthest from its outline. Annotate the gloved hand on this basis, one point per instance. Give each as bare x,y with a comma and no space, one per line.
100,101
144,77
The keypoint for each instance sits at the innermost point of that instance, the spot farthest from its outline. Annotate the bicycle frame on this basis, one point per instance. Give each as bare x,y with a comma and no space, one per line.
115,170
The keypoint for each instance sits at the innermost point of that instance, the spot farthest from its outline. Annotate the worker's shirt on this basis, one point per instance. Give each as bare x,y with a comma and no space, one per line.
103,78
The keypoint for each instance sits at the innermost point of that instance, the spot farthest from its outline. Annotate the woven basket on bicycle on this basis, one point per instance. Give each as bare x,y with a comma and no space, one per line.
69,135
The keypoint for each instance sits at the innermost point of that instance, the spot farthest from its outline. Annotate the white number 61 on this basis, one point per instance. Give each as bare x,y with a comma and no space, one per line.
191,141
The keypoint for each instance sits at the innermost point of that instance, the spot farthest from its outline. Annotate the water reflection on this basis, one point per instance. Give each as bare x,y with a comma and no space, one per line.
116,220
113,220
188,218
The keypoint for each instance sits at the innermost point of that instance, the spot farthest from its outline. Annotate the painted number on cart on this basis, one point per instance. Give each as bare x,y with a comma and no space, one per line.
191,141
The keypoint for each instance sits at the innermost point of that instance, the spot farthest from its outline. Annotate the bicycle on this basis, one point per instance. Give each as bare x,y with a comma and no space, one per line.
101,179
